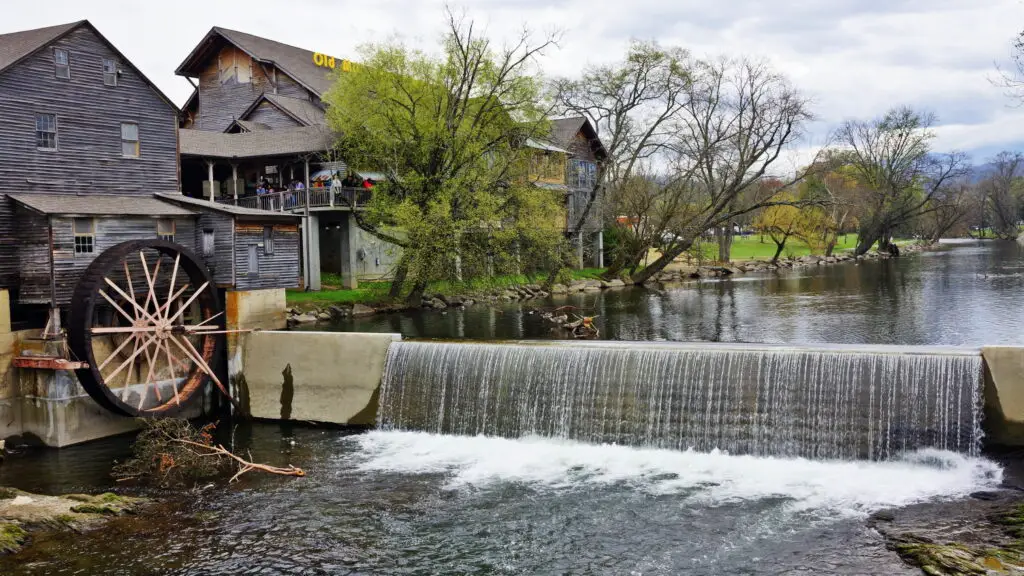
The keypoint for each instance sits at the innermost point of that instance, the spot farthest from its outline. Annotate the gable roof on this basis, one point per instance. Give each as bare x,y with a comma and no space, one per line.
246,126
301,110
294,61
98,205
17,46
564,130
259,143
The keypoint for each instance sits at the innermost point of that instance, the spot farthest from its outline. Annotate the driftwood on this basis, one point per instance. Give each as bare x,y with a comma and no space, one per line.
246,466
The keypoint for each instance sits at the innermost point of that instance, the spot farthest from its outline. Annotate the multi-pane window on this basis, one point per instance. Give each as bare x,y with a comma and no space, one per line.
254,262
85,235
109,72
130,140
165,230
582,173
268,239
61,63
208,243
46,131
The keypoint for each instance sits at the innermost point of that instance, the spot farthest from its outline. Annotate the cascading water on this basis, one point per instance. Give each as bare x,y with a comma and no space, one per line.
822,403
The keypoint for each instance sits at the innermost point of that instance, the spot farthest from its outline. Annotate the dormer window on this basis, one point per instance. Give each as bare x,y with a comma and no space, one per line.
61,63
109,72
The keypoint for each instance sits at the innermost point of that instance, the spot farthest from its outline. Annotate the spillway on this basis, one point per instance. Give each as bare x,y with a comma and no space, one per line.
828,402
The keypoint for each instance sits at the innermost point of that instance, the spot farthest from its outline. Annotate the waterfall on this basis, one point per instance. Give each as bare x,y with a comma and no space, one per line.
821,403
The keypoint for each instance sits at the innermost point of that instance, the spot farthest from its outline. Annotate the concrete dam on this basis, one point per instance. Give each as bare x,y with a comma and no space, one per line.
818,402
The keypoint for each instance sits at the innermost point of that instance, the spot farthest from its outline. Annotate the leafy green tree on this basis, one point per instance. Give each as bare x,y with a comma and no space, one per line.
448,132
892,159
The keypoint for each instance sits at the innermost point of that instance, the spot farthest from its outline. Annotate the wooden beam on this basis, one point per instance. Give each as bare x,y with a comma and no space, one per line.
46,363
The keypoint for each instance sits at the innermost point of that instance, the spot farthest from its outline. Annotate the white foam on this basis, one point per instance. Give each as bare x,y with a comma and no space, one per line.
839,487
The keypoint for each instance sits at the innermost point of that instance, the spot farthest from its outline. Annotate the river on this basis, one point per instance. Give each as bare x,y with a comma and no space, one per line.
405,502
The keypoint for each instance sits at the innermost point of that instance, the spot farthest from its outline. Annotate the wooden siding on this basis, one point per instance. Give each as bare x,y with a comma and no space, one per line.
68,267
267,113
33,256
223,97
8,244
221,264
277,270
89,116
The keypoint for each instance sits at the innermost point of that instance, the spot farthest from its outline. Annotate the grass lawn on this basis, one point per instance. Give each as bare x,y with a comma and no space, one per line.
375,292
752,248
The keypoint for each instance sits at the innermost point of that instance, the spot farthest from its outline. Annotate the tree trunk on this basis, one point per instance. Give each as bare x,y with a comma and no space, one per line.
658,265
725,243
399,281
778,249
416,295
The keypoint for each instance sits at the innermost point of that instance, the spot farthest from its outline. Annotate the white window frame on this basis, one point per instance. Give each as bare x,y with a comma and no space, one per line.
65,66
109,76
87,245
137,141
40,115
162,234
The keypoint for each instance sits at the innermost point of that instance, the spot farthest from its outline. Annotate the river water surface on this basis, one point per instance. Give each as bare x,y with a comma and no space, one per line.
401,502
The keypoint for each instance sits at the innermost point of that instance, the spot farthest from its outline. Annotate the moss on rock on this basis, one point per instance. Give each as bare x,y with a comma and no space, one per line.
12,537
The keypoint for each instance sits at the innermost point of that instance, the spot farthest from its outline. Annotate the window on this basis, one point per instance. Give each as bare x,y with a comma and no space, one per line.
60,62
109,72
46,131
130,140
165,230
583,174
268,239
85,235
254,262
208,243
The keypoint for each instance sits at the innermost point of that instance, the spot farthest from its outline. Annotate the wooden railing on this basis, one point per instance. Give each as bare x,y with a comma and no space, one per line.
293,200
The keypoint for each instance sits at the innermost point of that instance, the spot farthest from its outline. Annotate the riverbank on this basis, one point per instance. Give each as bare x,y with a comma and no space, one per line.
308,308
23,514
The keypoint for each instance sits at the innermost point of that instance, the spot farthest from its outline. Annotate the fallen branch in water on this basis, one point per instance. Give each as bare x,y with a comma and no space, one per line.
247,466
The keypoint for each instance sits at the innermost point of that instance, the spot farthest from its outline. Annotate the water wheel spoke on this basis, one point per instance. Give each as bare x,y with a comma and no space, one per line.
196,357
174,278
170,366
131,285
150,377
166,308
117,351
208,320
134,355
144,314
151,282
118,308
188,302
128,374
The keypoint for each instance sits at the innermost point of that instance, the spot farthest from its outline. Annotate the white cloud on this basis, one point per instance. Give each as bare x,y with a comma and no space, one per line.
854,58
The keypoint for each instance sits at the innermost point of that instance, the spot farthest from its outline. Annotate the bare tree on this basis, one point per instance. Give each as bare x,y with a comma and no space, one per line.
946,209
1012,79
737,118
892,159
1003,191
632,105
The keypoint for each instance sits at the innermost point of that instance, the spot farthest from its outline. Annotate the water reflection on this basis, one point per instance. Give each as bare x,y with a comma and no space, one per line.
967,293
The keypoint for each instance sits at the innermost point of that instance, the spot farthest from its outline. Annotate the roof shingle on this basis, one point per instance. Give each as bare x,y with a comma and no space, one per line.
98,205
281,142
17,45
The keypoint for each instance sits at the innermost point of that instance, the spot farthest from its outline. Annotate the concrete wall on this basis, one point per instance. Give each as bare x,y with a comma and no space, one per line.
1004,395
331,377
256,309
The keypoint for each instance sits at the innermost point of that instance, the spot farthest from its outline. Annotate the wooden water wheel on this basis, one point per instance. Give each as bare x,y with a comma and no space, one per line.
146,318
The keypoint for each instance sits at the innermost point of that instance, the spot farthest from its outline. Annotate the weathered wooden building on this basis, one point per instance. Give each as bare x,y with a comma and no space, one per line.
89,158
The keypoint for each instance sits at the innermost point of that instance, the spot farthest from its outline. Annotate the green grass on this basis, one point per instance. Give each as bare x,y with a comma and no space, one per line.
752,248
377,291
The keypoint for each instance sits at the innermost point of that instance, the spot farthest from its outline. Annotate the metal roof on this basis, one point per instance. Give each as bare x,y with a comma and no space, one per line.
296,62
531,143
259,143
98,205
224,208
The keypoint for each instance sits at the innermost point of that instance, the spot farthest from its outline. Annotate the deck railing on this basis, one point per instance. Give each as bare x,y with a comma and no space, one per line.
316,197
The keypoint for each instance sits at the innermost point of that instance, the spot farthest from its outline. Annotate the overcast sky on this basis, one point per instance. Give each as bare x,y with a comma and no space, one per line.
853,58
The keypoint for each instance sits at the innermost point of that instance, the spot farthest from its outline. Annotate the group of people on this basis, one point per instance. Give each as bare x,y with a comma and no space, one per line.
265,187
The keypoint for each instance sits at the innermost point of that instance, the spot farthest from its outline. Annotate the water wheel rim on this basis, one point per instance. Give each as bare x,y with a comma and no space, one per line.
95,288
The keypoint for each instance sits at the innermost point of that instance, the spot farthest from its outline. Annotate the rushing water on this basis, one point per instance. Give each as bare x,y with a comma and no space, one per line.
520,492
817,403
966,294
